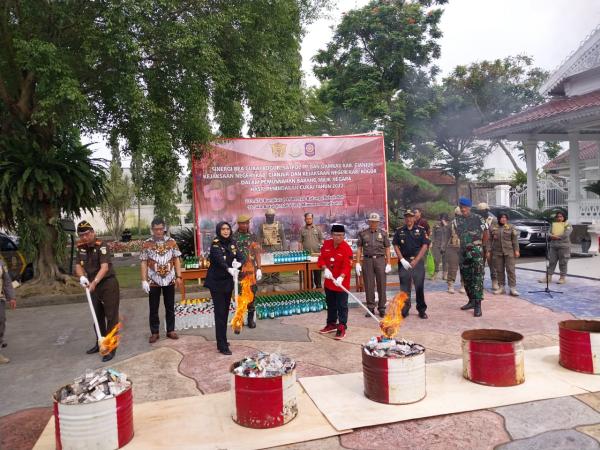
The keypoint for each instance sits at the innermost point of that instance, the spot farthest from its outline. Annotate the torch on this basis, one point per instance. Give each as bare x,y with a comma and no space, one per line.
360,303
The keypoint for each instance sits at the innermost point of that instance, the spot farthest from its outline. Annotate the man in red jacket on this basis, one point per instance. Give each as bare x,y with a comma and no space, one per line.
336,259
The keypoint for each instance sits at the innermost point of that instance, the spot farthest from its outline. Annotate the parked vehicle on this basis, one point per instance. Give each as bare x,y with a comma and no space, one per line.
532,230
18,267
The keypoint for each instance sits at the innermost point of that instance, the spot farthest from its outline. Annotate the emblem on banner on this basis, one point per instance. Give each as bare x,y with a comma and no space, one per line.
278,149
309,149
295,152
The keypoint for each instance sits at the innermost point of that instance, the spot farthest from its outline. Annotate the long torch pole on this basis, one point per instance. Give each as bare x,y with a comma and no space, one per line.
359,302
96,325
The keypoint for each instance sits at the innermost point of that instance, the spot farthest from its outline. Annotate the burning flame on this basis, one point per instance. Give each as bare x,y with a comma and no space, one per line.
390,324
246,296
111,341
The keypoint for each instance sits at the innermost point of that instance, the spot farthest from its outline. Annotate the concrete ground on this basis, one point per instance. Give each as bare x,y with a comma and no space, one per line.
47,347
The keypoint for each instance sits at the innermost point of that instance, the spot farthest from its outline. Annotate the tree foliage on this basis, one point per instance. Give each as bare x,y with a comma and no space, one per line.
119,195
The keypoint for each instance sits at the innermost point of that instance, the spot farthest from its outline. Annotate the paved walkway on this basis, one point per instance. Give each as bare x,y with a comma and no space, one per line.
47,347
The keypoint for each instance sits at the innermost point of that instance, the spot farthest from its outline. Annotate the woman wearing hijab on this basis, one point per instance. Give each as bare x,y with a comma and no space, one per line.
504,251
559,249
225,261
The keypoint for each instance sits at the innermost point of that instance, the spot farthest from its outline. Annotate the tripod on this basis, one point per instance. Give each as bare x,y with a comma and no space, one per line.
547,290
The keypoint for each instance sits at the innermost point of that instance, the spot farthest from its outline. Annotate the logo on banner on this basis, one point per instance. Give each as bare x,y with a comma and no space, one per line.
310,149
278,149
295,152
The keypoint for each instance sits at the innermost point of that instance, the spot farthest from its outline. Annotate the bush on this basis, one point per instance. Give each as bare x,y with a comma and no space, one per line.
185,241
432,210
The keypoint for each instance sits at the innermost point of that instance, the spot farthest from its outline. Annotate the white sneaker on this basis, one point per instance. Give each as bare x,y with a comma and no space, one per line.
4,359
462,290
561,280
451,289
499,290
514,292
495,285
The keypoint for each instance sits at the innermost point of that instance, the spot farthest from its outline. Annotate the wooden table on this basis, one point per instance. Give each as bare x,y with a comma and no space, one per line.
304,282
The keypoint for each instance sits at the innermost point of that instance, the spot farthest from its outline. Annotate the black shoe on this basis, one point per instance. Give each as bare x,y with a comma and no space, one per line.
369,315
423,315
469,305
109,356
477,310
225,351
94,349
251,322
382,313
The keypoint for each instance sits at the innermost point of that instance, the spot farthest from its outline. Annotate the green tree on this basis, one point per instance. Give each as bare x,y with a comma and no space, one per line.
376,70
147,73
119,195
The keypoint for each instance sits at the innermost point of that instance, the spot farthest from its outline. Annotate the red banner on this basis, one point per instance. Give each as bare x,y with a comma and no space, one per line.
340,179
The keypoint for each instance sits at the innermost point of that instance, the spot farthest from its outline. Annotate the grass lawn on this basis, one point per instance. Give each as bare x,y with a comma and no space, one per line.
128,276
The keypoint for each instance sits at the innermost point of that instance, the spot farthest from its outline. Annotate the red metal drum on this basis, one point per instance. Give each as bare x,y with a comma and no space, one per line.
397,381
264,402
493,357
103,425
579,343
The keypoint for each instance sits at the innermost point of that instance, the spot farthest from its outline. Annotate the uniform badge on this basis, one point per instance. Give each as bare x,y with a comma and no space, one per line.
417,231
402,241
103,250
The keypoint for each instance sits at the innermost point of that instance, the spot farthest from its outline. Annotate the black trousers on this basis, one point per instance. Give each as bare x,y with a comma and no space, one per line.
222,301
337,307
407,278
169,301
106,299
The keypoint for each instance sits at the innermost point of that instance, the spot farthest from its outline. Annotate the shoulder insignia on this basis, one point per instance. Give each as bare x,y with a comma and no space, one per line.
103,250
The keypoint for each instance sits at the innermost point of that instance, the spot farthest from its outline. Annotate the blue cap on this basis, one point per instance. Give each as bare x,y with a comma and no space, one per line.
463,201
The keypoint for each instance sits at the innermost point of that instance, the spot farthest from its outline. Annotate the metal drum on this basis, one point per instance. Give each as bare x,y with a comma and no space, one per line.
579,343
394,380
493,357
103,425
264,402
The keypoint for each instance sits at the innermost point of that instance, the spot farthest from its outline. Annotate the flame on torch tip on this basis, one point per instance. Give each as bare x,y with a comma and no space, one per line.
247,295
390,324
111,341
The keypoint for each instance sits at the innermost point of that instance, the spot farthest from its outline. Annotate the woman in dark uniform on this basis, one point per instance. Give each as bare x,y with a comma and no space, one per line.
225,261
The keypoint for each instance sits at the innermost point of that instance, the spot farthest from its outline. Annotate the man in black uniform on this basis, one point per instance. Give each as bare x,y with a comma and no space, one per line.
95,264
411,243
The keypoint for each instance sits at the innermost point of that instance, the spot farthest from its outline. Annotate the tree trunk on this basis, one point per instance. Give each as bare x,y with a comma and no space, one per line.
509,155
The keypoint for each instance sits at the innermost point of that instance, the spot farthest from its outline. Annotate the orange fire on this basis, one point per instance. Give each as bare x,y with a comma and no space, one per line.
246,296
111,341
390,324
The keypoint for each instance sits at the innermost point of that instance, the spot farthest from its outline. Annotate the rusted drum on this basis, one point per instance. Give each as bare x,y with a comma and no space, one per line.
493,357
579,343
394,380
102,425
266,402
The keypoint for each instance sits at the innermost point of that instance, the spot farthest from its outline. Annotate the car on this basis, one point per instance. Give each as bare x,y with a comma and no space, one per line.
532,230
18,268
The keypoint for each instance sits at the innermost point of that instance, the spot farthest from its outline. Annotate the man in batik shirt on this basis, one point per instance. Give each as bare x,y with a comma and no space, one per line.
161,272
473,234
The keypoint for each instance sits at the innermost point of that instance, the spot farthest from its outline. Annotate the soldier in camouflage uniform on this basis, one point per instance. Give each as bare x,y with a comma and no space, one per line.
247,244
272,239
473,235
484,211
440,236
452,251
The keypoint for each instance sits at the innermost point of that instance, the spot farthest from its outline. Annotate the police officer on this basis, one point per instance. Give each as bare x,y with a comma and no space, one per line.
247,244
7,294
411,243
95,263
374,253
559,250
504,240
272,239
440,236
311,238
473,234
484,211
225,262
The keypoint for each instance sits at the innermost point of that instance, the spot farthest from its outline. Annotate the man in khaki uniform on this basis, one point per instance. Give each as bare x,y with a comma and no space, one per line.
272,239
374,253
311,238
7,294
505,249
440,235
452,251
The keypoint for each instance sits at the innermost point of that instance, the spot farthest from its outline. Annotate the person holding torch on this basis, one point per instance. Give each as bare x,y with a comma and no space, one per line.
336,260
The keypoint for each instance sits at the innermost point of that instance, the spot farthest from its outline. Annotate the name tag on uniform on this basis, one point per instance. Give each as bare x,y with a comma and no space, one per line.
379,236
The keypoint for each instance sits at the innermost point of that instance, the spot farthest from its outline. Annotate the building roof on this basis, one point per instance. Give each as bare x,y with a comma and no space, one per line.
436,177
587,150
556,112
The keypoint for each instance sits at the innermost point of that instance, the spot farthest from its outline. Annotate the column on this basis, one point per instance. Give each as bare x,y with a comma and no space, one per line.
574,180
531,163
502,194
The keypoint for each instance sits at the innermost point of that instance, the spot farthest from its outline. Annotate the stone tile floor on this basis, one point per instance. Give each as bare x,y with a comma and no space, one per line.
192,366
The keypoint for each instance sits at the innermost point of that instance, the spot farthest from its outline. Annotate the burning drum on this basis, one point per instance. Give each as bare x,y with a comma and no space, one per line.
100,416
580,345
493,357
263,389
393,371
